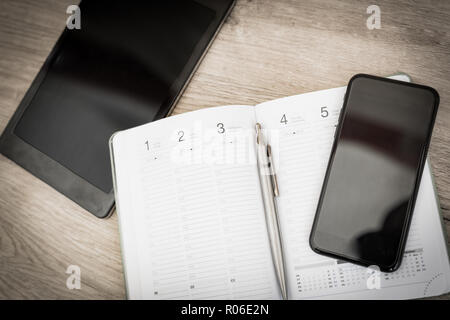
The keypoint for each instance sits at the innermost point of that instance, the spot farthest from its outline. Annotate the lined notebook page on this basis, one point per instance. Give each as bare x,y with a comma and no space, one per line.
301,131
190,210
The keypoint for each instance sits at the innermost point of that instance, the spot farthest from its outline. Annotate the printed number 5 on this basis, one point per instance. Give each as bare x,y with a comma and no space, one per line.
324,112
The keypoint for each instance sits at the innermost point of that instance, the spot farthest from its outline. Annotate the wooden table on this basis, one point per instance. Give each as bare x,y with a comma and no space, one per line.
266,49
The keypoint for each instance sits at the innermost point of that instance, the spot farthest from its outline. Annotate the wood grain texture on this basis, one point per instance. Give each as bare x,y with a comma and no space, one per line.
266,49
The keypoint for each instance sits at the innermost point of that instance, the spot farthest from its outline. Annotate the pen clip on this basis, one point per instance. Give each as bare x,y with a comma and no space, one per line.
273,176
258,133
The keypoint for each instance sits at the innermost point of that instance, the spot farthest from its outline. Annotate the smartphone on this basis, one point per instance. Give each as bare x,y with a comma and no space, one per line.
373,174
127,65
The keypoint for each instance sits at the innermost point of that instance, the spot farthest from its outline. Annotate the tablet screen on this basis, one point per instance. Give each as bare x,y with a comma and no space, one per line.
116,72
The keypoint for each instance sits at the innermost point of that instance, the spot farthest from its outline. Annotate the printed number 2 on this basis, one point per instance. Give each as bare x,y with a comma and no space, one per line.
324,112
283,119
180,136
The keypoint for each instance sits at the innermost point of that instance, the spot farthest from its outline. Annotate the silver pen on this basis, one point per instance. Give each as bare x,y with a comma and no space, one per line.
269,187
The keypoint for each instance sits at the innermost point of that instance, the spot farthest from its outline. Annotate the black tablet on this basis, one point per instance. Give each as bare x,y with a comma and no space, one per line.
127,65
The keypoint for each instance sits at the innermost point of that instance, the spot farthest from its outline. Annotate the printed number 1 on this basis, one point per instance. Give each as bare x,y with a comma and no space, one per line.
147,144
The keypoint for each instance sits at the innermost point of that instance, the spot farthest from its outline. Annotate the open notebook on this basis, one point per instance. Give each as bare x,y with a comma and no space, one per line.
191,215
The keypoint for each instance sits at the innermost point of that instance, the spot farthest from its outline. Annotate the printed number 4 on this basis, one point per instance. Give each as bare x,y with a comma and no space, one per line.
283,119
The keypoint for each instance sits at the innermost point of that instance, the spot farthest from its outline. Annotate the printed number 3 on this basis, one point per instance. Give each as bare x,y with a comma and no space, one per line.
220,128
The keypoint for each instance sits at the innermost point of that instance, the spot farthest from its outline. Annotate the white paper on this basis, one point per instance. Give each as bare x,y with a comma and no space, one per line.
195,228
303,146
189,229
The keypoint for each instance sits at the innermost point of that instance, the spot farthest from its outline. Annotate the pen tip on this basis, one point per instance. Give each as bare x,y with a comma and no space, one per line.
285,296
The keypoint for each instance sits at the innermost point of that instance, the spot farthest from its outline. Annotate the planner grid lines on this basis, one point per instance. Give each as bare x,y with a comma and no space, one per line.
205,228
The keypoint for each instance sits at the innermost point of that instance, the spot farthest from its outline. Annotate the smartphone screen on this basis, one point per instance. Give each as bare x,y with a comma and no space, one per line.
374,170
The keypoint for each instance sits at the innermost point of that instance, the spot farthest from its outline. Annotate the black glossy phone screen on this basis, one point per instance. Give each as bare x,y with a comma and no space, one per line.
366,200
116,72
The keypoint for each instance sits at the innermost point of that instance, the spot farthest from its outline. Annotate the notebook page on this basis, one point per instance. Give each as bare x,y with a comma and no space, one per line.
190,211
301,131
